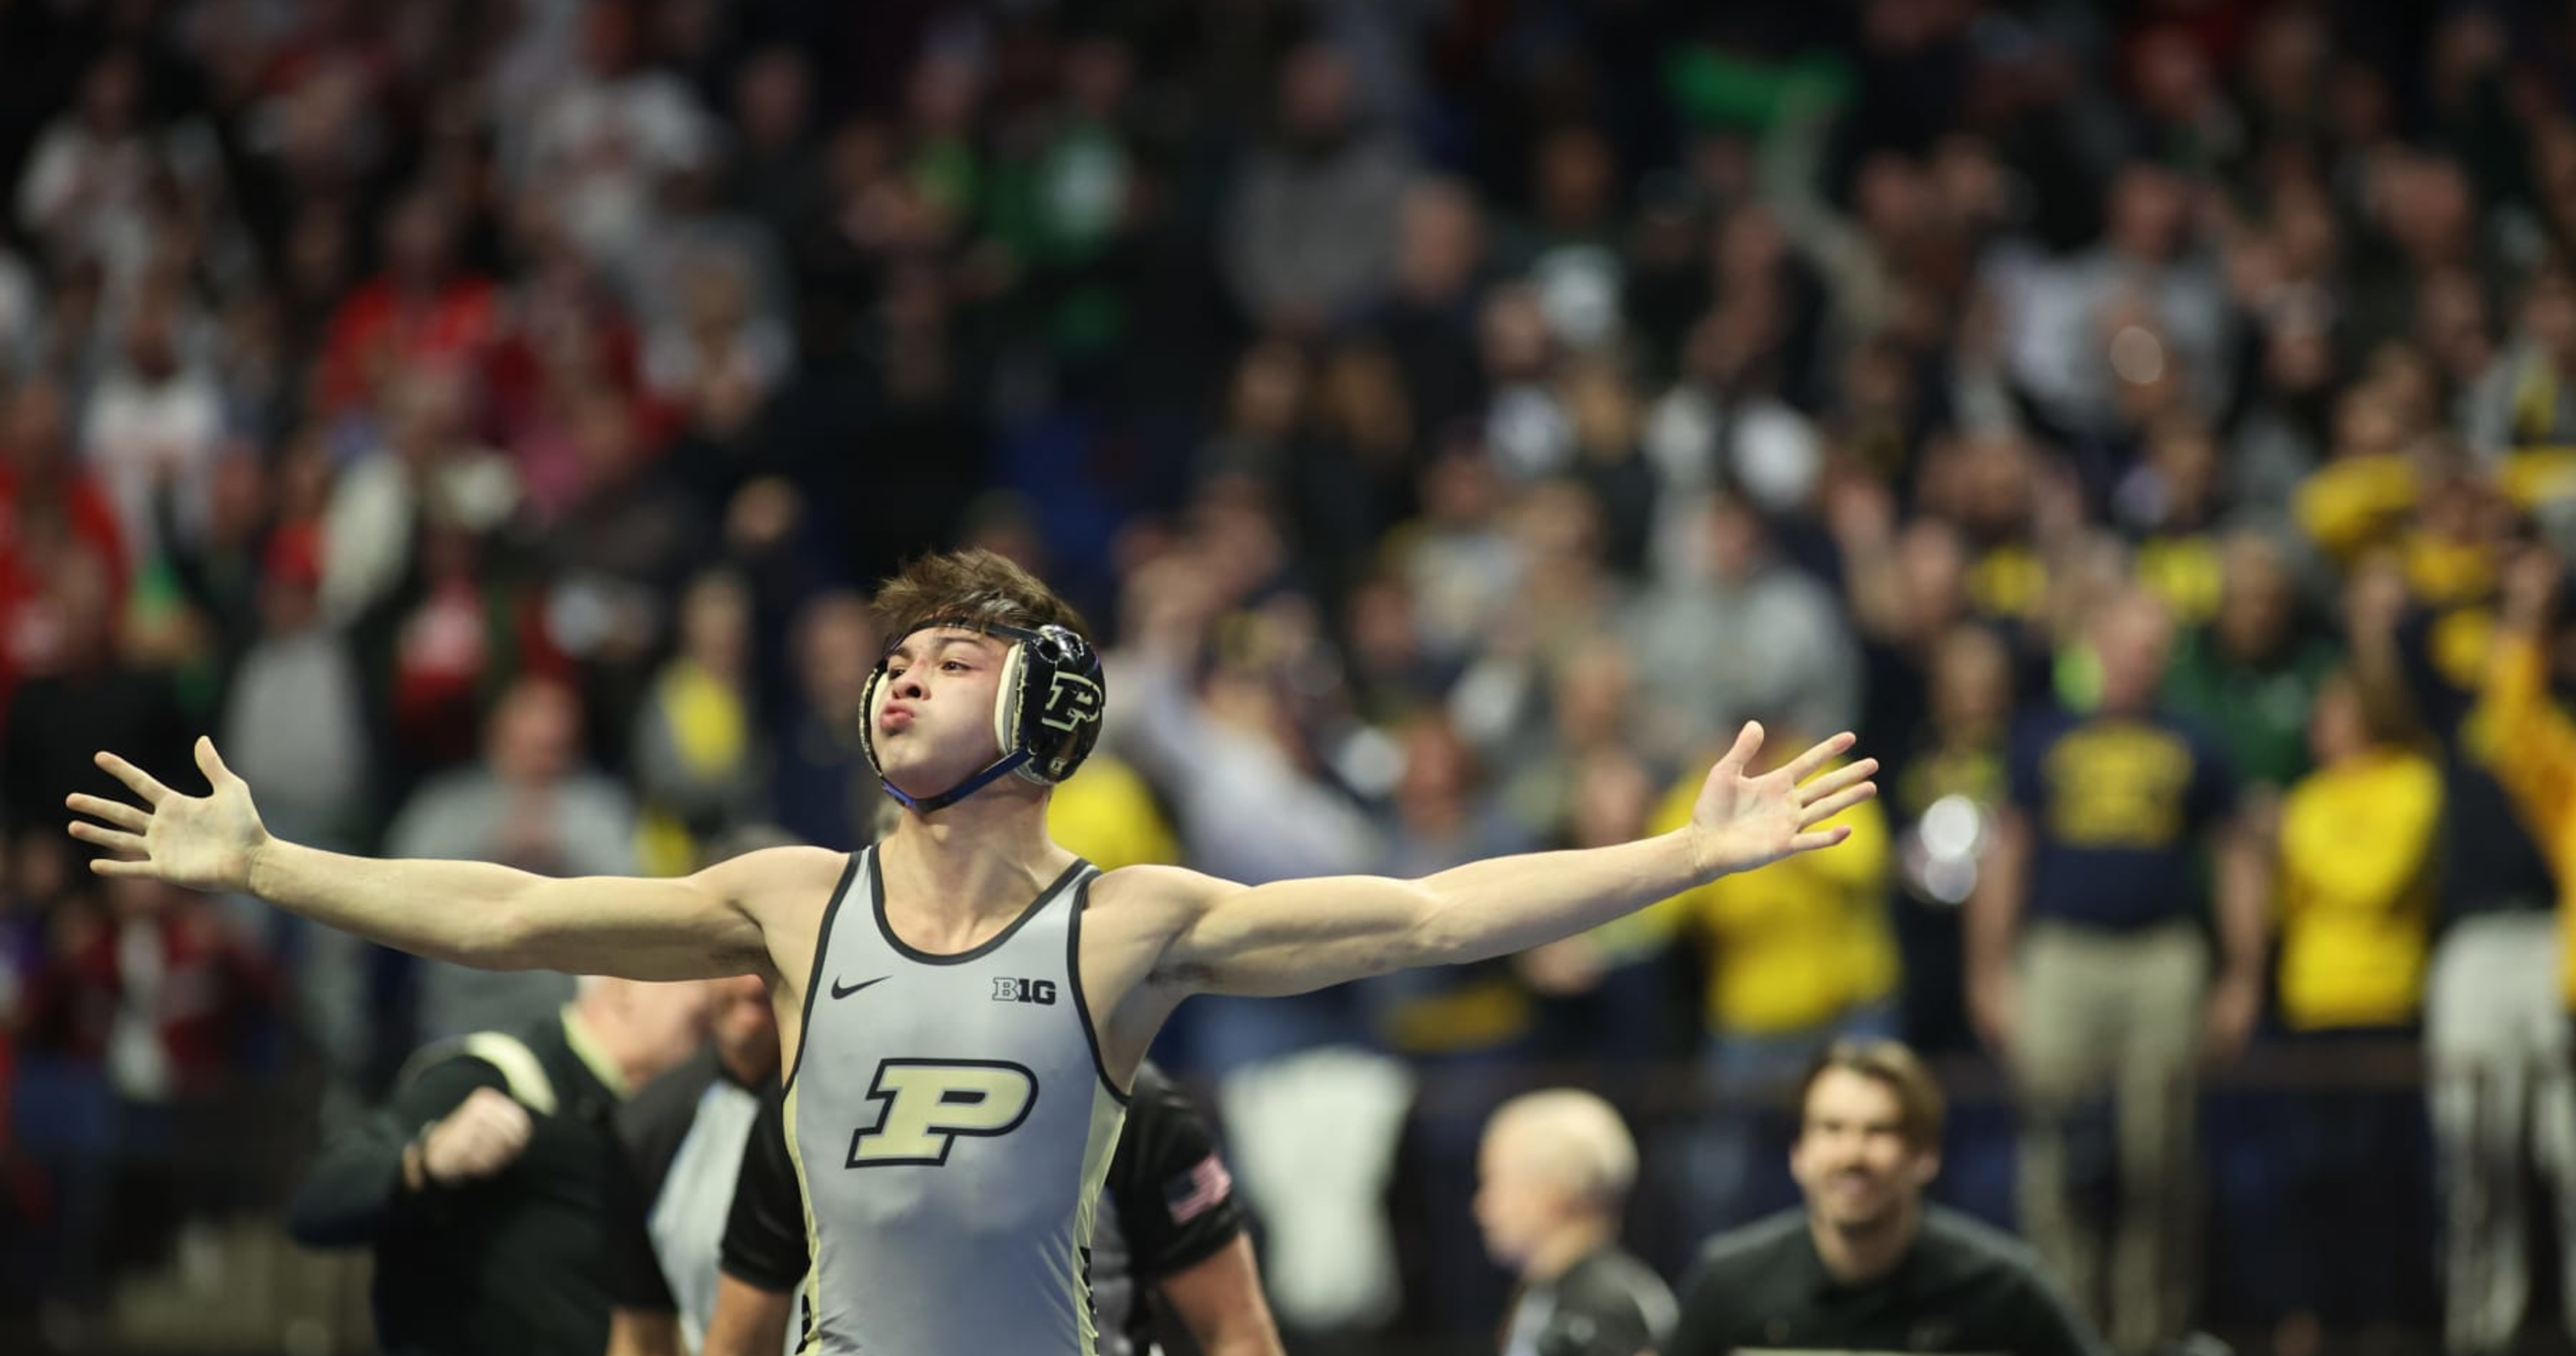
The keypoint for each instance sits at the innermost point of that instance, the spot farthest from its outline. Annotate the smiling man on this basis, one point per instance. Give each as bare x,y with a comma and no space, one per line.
962,1007
1867,1266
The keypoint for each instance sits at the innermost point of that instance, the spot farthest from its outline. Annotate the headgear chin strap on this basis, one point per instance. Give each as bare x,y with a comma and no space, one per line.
1046,709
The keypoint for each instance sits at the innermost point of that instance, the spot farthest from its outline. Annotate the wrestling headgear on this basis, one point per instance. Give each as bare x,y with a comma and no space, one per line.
1046,709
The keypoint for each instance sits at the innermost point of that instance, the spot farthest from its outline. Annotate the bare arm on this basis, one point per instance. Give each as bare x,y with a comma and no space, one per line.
1993,920
2372,607
1221,1303
1295,935
748,1321
472,913
635,1332
2537,764
2244,886
2244,901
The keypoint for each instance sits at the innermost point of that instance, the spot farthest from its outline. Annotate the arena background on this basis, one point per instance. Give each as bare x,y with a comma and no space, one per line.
486,417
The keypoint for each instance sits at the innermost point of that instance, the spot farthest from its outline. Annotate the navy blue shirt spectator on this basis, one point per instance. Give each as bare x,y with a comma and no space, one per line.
2118,806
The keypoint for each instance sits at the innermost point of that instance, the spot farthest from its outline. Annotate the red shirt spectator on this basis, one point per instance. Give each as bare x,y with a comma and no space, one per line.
419,312
48,507
159,990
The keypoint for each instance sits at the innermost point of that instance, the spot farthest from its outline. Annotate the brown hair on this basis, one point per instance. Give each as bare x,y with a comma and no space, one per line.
973,585
1920,1105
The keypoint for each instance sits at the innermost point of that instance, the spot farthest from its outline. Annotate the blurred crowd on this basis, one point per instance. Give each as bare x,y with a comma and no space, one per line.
486,418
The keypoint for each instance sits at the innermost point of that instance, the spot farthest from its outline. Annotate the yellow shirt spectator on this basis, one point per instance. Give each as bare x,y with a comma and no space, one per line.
1798,943
2534,756
1107,815
2356,890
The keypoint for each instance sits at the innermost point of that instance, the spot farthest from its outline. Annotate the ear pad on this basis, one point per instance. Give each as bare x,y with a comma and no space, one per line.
1009,699
873,700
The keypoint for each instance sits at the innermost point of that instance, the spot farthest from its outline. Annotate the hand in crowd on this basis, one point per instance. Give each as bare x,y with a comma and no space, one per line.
2531,581
1994,1009
2235,1002
484,1134
2377,597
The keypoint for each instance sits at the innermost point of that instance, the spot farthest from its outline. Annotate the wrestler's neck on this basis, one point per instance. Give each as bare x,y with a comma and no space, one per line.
988,854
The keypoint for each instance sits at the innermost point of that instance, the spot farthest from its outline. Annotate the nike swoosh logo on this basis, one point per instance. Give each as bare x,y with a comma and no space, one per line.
839,992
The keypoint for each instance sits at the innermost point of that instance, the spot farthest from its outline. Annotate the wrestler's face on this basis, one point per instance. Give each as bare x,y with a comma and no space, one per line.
933,720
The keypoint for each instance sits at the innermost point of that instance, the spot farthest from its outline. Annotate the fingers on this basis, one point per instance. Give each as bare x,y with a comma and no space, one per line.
1748,742
1849,796
114,840
110,866
1806,764
136,779
115,812
1836,781
210,762
1819,838
485,1133
496,1113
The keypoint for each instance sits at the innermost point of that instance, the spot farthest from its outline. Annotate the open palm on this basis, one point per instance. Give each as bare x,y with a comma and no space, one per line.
1750,821
202,842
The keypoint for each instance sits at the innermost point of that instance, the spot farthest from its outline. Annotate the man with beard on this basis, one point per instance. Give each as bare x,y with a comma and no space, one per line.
1867,1266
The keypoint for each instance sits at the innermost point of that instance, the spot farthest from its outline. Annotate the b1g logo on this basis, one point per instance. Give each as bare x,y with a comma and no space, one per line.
930,1102
1009,990
1071,700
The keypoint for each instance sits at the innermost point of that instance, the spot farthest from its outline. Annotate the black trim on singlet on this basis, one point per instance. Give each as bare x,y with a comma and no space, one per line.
822,942
1082,1004
876,884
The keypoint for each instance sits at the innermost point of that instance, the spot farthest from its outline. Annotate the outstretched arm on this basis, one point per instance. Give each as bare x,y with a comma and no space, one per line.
472,913
1295,935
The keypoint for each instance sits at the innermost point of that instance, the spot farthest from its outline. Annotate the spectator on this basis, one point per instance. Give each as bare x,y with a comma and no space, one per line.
2491,1010
1794,959
602,139
1308,229
532,805
158,993
2356,903
1699,683
2537,765
52,511
685,1134
2252,674
774,170
423,311
1430,308
1950,789
697,756
1553,1176
483,1186
295,712
153,425
821,785
2087,966
89,179
1867,1263
79,692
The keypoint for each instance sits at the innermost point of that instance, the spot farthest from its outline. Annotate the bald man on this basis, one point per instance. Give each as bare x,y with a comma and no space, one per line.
484,1183
1553,1180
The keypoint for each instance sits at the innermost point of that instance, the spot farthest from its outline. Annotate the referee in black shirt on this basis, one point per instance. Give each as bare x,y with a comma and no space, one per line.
484,1185
1867,1266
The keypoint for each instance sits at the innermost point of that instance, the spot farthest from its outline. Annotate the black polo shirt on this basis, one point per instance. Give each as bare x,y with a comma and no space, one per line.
515,1262
1607,1304
1962,1288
